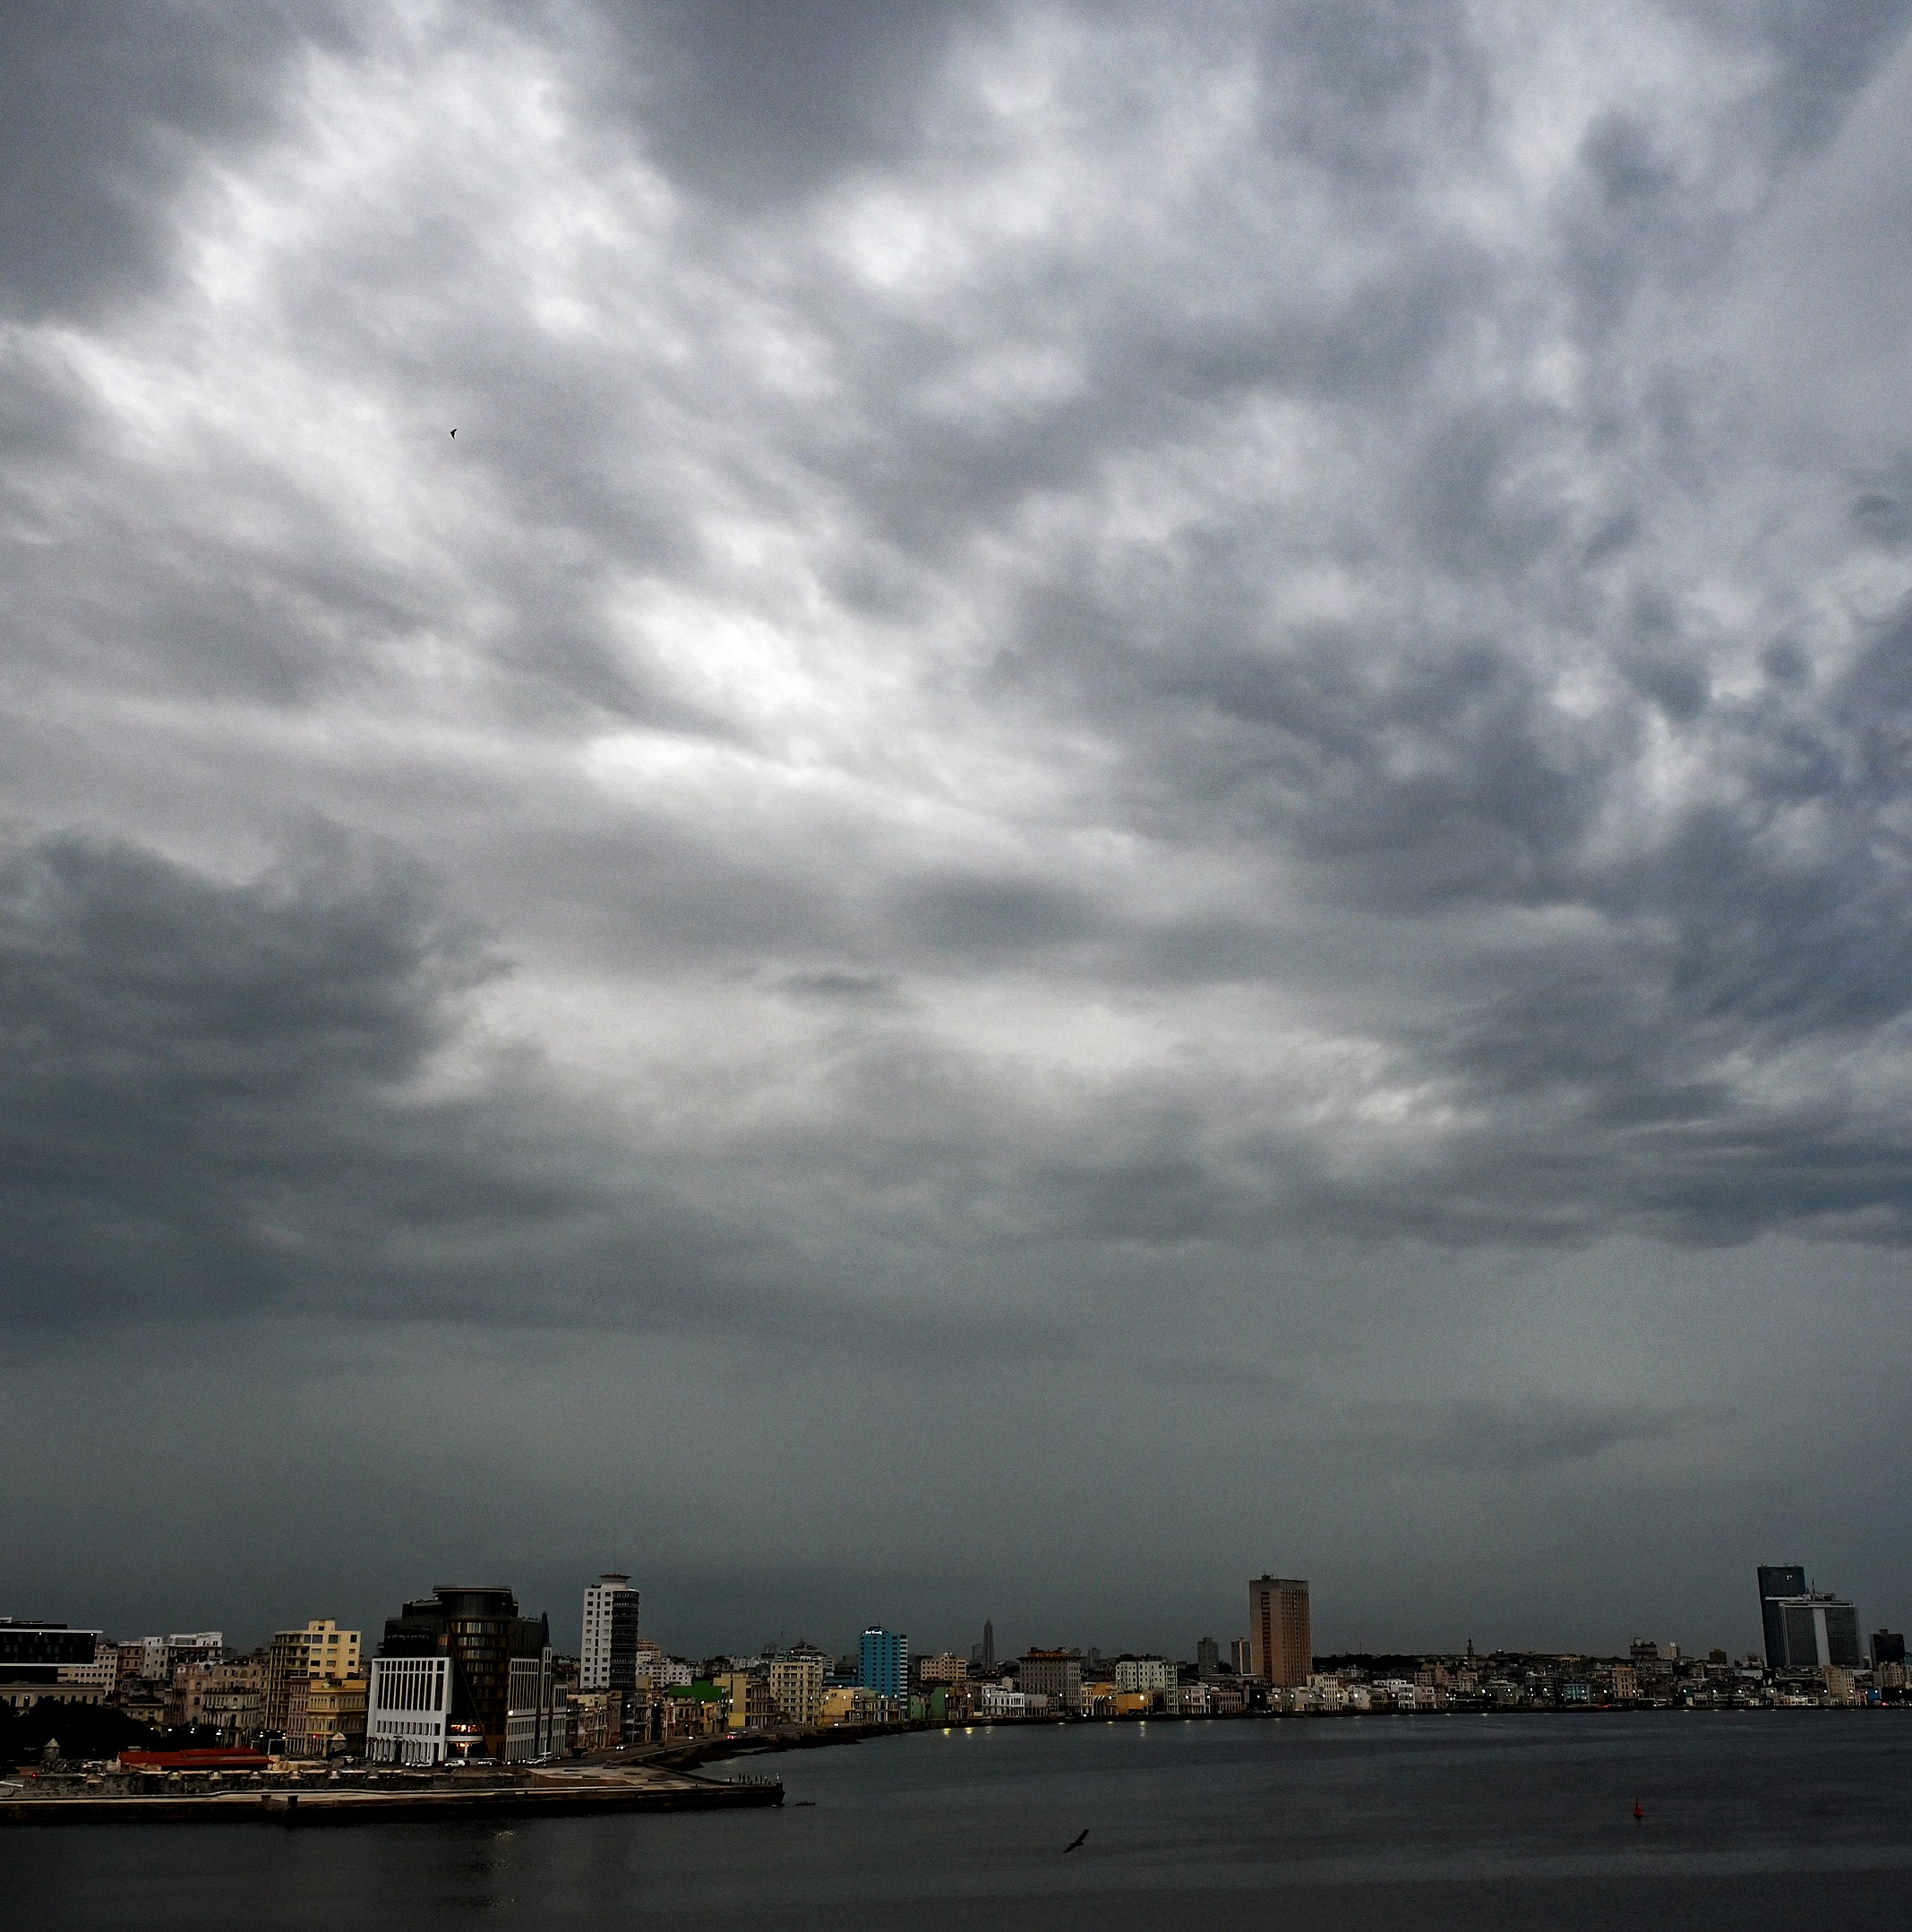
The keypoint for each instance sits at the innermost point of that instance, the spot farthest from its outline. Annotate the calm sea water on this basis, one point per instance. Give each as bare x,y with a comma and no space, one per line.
1753,1820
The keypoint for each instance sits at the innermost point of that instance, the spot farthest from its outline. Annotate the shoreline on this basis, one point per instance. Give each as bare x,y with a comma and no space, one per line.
541,1793
665,1780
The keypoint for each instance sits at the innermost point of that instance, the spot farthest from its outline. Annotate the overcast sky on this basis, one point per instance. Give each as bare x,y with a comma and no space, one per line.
1136,805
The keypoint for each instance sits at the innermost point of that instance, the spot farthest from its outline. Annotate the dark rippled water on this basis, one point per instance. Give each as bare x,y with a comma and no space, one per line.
1753,1820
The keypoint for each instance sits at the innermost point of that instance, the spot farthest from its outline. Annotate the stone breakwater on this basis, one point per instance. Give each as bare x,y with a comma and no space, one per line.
110,1797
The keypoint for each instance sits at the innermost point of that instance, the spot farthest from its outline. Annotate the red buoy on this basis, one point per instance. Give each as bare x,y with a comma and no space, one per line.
1639,1812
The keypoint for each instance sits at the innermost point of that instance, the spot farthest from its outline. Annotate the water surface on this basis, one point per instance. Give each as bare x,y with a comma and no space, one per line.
1753,1819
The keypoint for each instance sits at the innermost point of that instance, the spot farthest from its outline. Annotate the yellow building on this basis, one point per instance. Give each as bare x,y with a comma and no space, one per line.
796,1688
748,1705
322,1649
849,1703
326,1716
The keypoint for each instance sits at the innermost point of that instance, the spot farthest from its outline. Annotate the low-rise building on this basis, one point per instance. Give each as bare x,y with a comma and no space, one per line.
33,1657
594,1720
325,1717
228,1697
749,1705
1144,1673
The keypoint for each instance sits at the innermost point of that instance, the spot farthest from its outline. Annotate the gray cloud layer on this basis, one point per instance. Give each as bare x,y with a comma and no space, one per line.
1104,693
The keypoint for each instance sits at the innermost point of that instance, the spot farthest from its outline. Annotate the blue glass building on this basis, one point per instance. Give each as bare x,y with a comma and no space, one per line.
883,1660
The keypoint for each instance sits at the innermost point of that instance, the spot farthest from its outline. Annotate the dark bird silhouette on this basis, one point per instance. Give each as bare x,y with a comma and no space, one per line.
1081,1839
454,432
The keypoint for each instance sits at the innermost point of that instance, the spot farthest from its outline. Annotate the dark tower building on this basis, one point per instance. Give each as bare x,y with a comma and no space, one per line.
1889,1646
479,1629
988,1647
1777,1580
1280,1631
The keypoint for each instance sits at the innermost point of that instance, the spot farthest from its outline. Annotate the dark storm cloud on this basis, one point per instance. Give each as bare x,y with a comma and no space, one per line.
1120,692
202,1082
219,1099
1522,1439
756,104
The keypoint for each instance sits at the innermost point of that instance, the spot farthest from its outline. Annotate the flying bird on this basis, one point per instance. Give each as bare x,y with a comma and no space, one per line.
1082,1839
454,432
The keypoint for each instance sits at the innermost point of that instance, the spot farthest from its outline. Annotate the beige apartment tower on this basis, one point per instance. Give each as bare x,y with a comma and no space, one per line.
322,1649
1280,1638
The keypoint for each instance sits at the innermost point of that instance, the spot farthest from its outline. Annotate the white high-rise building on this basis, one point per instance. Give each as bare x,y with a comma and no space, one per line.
607,1657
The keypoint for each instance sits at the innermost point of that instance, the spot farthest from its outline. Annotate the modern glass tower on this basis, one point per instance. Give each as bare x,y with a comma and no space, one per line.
883,1663
1777,1580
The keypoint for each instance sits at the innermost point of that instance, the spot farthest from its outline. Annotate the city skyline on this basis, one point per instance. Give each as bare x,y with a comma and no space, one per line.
1133,803
1279,1642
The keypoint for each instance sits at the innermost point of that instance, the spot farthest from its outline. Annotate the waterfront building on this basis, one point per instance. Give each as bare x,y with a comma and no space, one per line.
594,1720
945,1668
1281,1634
1145,1674
325,1717
497,1697
988,1658
32,1656
1777,1580
226,1698
609,1656
409,1714
1055,1675
1889,1646
1241,1656
883,1663
1208,1659
750,1705
1817,1628
796,1685
321,1648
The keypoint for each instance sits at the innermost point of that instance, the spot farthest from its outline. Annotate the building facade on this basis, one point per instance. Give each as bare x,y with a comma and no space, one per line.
1055,1675
226,1698
32,1656
1777,1580
1281,1634
608,1656
1817,1629
325,1717
500,1691
1156,1674
883,1663
408,1712
322,1649
796,1687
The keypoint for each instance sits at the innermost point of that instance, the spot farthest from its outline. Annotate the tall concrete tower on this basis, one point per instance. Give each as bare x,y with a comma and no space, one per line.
1281,1637
607,1657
